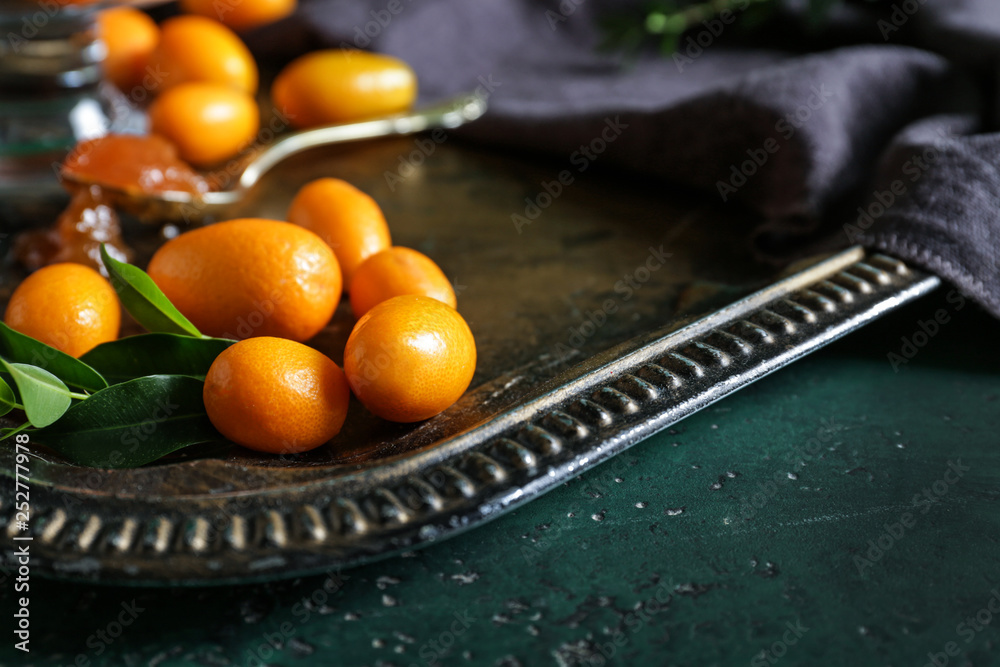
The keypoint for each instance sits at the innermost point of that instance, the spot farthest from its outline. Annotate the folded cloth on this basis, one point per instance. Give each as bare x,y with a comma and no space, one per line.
868,139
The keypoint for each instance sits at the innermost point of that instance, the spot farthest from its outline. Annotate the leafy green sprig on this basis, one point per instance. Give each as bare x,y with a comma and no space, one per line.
664,22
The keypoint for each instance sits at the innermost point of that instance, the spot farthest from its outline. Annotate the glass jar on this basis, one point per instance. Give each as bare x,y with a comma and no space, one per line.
51,97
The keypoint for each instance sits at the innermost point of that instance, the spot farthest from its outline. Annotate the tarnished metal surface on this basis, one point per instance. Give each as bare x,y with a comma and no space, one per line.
616,311
702,545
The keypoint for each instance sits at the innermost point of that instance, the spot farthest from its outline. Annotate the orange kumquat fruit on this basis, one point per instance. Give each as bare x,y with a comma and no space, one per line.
250,277
275,395
130,36
346,218
394,272
242,15
68,306
409,358
195,48
207,122
340,85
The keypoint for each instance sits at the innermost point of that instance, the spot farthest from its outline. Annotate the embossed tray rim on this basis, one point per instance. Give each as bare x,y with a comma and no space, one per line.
361,515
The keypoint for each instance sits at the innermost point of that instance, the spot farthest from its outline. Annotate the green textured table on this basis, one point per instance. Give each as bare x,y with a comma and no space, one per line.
839,510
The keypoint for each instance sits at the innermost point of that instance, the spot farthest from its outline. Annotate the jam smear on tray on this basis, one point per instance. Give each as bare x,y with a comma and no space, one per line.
77,235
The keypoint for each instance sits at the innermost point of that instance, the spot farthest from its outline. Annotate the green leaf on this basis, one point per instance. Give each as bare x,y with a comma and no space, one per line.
19,348
155,354
7,399
44,396
132,423
144,300
8,432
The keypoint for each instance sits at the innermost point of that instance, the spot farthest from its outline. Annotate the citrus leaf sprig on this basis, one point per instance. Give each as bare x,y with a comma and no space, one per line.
144,300
44,397
155,354
132,423
8,401
16,347
141,396
43,376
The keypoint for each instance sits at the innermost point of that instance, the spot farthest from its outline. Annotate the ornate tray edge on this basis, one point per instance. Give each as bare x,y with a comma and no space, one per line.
608,404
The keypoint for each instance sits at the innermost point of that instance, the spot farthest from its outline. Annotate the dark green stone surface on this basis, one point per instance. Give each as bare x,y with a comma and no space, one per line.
840,449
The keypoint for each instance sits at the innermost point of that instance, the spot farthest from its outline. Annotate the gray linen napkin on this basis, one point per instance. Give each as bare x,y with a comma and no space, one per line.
874,131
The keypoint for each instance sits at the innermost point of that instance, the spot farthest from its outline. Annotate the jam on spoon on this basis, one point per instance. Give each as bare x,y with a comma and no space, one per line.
125,162
133,164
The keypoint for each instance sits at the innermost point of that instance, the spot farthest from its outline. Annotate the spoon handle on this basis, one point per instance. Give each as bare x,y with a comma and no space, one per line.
448,114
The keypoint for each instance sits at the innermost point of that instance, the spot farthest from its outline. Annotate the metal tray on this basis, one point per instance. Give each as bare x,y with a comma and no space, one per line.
621,308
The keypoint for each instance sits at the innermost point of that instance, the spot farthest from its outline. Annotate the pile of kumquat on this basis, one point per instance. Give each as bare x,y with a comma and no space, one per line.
203,79
230,307
238,301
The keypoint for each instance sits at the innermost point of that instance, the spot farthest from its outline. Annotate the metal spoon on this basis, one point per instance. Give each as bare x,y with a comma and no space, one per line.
173,206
